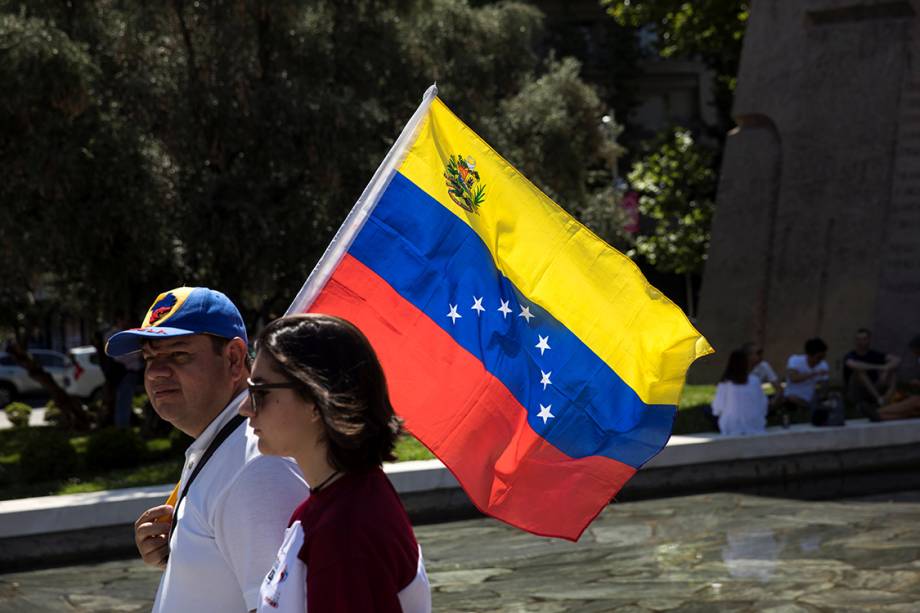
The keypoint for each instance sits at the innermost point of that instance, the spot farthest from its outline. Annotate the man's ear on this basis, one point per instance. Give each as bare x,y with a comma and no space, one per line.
237,353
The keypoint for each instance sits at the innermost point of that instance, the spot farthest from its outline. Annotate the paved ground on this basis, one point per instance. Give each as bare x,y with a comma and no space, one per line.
721,552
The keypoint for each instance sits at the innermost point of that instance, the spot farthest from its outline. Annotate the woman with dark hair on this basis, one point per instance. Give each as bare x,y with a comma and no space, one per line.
740,403
318,394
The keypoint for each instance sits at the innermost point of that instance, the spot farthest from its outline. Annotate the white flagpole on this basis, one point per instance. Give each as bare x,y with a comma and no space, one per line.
361,211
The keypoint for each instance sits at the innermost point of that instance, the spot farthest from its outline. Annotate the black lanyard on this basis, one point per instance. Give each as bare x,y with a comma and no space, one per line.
226,431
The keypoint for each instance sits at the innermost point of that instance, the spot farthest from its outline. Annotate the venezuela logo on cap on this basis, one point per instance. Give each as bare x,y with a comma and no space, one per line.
165,305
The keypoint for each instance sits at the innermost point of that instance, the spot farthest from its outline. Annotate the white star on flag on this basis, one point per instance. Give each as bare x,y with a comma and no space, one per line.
454,315
526,314
545,380
504,309
477,306
543,345
545,414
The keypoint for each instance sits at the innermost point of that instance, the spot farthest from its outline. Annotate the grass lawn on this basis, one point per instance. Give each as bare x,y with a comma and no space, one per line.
160,464
162,460
149,474
408,448
696,395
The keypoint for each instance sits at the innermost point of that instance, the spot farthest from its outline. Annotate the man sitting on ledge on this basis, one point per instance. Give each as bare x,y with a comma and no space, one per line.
804,372
869,375
909,405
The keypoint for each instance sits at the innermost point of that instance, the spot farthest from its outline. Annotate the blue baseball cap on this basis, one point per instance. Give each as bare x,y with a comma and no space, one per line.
182,312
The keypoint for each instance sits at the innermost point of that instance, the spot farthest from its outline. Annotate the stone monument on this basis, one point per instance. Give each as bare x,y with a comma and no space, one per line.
817,224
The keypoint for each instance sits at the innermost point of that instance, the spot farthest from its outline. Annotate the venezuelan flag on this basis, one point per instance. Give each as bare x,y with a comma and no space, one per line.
532,358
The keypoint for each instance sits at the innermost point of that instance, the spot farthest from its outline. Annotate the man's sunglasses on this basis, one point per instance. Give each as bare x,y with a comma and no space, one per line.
258,390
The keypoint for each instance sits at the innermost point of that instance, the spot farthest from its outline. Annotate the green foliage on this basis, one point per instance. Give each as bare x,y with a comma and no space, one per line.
46,454
222,142
692,421
114,448
158,448
179,442
696,395
82,183
478,56
159,466
18,413
156,473
712,30
54,416
691,413
408,448
676,180
547,128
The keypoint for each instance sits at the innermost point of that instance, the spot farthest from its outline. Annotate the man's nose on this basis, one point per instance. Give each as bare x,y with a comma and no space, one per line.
157,368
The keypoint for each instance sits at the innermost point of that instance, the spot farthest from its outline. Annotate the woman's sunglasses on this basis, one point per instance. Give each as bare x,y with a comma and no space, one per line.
257,391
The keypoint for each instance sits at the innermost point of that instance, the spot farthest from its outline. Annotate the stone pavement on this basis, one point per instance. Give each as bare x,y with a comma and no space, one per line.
720,552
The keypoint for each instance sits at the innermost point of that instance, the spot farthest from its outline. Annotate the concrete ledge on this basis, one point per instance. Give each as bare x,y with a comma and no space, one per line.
802,461
47,514
798,439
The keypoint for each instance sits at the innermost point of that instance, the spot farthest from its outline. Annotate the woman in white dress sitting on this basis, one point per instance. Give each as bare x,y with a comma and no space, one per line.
740,403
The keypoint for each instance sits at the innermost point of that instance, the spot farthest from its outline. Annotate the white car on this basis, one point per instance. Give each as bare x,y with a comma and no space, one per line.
15,381
87,380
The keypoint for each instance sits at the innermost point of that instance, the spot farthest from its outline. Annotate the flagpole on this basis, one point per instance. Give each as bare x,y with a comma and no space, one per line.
362,209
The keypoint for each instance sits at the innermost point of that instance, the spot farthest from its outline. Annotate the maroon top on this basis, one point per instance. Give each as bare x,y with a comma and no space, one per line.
359,548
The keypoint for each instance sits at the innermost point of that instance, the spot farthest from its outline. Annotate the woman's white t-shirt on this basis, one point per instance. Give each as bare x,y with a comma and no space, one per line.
741,409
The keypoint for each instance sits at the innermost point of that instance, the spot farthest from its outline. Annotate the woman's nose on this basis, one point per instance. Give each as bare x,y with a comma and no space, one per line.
246,408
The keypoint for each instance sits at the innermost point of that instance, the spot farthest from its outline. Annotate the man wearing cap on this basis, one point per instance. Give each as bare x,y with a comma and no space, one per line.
232,505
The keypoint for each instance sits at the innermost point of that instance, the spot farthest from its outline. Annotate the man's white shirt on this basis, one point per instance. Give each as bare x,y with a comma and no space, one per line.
764,372
230,524
805,389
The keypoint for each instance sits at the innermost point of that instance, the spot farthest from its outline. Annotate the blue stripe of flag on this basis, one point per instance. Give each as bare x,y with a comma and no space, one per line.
437,262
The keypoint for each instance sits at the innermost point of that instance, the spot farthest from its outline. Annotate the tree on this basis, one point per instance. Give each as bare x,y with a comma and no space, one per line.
676,181
291,106
221,142
709,29
80,191
547,129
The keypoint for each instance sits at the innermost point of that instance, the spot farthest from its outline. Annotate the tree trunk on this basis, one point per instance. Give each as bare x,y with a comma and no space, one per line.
109,393
688,279
72,410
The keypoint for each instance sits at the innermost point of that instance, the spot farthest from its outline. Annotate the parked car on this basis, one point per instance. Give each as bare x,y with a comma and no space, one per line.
88,379
15,380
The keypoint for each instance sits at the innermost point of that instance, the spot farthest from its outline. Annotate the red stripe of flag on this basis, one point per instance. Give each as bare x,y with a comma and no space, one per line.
467,416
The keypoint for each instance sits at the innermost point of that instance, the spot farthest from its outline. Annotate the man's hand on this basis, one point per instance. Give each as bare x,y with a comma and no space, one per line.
151,535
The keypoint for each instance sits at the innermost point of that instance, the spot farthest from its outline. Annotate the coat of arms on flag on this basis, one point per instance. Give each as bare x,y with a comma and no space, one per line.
462,180
533,359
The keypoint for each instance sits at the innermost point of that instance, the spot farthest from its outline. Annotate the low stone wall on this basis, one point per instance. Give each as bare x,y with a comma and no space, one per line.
801,462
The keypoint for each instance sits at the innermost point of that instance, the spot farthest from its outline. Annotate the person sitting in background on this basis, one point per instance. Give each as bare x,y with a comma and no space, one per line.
761,369
908,405
739,403
914,382
804,373
869,375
